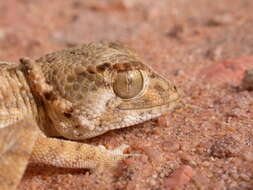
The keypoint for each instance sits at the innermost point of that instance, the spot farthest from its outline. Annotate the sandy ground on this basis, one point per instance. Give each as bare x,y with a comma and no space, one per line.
203,46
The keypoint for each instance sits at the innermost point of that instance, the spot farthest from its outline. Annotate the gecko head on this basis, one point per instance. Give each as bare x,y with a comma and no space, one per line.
108,89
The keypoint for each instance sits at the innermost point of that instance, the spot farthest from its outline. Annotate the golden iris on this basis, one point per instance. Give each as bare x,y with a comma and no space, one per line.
128,84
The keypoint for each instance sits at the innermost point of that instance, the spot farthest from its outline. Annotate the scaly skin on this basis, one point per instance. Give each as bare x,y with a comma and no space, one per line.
76,94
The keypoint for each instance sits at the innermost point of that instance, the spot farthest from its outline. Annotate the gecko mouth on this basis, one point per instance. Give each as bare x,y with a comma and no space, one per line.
148,114
139,116
172,101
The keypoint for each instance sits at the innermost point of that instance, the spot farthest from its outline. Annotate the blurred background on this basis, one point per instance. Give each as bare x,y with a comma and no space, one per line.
198,44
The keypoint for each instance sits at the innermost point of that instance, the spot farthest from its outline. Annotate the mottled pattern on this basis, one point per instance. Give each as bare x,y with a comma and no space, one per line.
71,94
84,76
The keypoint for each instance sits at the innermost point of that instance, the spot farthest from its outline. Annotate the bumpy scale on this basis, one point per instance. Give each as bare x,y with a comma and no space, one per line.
74,94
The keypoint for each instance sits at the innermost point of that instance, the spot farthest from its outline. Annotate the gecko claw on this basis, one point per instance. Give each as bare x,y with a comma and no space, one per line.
119,151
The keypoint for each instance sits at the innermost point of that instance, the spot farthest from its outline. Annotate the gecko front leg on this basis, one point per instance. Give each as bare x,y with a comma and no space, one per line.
69,154
16,144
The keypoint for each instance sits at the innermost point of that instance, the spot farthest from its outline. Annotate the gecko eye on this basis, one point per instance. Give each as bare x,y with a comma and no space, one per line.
128,84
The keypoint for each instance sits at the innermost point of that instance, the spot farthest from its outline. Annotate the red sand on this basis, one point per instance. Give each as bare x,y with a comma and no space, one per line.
204,46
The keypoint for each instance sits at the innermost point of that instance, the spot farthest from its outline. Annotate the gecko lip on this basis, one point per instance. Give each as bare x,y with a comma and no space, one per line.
157,112
173,99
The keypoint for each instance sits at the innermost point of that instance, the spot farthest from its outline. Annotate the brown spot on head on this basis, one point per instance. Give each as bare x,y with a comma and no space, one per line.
119,67
66,114
73,51
49,96
103,67
54,72
128,66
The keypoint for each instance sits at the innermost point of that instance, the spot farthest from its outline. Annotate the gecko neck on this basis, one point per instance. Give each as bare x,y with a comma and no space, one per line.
18,102
39,111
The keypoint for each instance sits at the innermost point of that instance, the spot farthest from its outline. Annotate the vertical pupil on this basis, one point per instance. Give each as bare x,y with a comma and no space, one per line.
128,84
129,81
